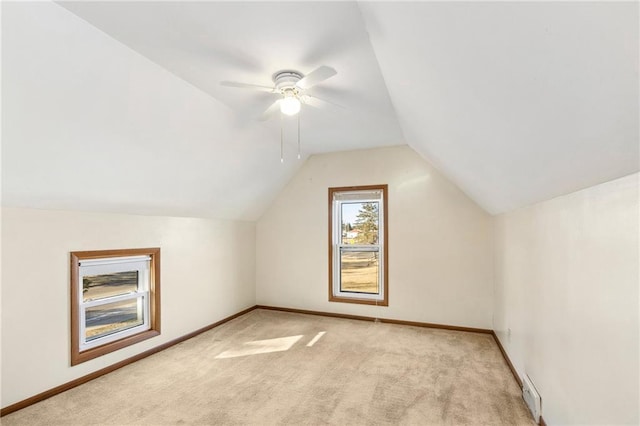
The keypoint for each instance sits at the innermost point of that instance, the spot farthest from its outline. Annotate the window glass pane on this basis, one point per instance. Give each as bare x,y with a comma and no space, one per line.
112,318
107,285
359,223
359,271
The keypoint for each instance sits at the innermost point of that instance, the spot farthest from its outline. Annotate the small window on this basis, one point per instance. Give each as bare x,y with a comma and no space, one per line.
358,245
115,300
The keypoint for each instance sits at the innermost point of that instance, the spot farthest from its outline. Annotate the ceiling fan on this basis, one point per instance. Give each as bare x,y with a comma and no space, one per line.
291,87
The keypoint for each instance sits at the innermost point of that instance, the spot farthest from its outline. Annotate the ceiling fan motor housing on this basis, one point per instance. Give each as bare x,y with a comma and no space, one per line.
286,81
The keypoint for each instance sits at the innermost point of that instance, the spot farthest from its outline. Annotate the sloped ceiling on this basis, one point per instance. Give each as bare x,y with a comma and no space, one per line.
514,102
206,43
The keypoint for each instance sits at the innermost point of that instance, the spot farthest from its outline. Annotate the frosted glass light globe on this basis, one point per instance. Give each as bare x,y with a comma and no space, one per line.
290,105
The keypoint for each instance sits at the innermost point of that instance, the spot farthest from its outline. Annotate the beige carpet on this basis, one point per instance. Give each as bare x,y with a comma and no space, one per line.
355,373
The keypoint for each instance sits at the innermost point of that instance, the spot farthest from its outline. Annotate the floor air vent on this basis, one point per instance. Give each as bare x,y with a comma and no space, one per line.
531,398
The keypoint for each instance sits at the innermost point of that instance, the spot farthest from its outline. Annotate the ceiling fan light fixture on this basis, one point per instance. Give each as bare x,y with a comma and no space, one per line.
290,86
290,105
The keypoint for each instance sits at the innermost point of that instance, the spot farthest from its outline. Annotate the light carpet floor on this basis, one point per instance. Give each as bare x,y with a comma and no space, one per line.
270,367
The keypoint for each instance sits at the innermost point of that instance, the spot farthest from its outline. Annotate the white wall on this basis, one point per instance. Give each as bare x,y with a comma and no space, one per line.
439,241
567,280
208,271
89,124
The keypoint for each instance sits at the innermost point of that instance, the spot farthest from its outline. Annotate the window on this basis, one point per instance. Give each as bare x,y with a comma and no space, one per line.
115,300
358,269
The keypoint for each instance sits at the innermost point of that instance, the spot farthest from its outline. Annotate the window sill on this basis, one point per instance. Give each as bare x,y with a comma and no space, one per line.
78,358
355,300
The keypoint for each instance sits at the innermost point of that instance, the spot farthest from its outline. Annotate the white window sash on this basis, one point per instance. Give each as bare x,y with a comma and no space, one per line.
143,308
351,247
114,260
358,197
91,267
113,299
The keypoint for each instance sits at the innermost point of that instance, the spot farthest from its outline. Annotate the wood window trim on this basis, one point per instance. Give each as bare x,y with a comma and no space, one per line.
385,248
78,356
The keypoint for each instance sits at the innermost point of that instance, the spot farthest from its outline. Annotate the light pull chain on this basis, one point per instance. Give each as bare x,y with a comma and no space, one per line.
299,135
281,140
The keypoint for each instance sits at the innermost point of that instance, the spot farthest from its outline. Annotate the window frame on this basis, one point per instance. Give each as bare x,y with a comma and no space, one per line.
146,261
336,246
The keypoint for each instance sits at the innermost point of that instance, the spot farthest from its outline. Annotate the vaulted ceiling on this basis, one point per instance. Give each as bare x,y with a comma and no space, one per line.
514,102
206,43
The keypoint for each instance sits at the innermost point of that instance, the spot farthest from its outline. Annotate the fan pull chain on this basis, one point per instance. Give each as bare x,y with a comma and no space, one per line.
298,136
281,141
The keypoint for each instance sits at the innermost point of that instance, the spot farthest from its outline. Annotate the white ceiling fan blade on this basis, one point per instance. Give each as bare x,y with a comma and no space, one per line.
248,86
320,103
316,76
270,112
